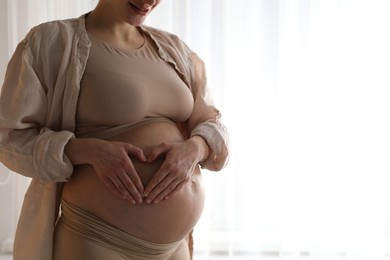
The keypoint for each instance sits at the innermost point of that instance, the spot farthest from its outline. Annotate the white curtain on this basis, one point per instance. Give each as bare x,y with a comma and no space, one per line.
304,88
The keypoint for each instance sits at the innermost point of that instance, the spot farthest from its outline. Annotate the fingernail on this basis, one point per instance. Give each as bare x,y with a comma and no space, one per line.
148,201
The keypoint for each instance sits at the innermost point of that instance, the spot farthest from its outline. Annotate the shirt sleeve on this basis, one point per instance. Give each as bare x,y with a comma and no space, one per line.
27,145
205,120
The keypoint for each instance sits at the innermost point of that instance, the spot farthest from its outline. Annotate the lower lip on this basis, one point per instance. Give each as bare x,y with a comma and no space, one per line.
137,11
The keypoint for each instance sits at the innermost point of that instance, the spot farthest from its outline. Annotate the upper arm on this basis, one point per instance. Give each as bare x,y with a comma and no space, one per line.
27,145
205,120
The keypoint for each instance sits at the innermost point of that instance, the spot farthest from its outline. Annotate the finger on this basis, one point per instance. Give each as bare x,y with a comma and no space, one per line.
115,185
162,189
176,190
130,187
112,187
158,177
131,172
137,152
122,189
165,193
157,151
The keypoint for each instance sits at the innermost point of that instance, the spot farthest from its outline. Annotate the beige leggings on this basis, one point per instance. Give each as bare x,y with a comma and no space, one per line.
80,235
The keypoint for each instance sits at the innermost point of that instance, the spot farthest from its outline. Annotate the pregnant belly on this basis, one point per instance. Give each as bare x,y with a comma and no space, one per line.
164,222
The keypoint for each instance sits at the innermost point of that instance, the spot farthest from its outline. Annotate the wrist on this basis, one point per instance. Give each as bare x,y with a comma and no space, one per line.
80,150
203,149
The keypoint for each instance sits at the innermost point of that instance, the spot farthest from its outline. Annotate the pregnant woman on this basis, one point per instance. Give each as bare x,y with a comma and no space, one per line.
111,119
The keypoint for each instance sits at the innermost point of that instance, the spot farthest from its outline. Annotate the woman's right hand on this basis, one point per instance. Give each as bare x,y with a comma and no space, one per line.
111,162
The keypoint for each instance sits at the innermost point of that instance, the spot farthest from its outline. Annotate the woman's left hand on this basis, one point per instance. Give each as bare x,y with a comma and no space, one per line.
176,170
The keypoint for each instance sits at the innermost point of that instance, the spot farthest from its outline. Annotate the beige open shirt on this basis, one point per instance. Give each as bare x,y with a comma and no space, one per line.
37,118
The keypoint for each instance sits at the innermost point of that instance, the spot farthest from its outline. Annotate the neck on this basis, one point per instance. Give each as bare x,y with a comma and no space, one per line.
105,22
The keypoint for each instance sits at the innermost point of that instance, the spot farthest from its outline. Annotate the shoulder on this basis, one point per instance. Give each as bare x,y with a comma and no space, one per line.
51,33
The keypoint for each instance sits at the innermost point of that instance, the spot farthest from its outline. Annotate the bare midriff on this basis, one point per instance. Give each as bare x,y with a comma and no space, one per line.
167,221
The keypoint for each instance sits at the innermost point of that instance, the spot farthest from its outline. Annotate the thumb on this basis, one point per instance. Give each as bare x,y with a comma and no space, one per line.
158,151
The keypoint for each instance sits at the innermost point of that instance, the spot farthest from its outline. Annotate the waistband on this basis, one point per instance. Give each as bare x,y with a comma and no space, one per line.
98,231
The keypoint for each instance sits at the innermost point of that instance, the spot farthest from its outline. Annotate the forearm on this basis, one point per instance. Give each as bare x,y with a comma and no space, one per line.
80,150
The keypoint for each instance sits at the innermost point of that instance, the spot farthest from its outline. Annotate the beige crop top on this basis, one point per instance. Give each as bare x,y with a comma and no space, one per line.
124,88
